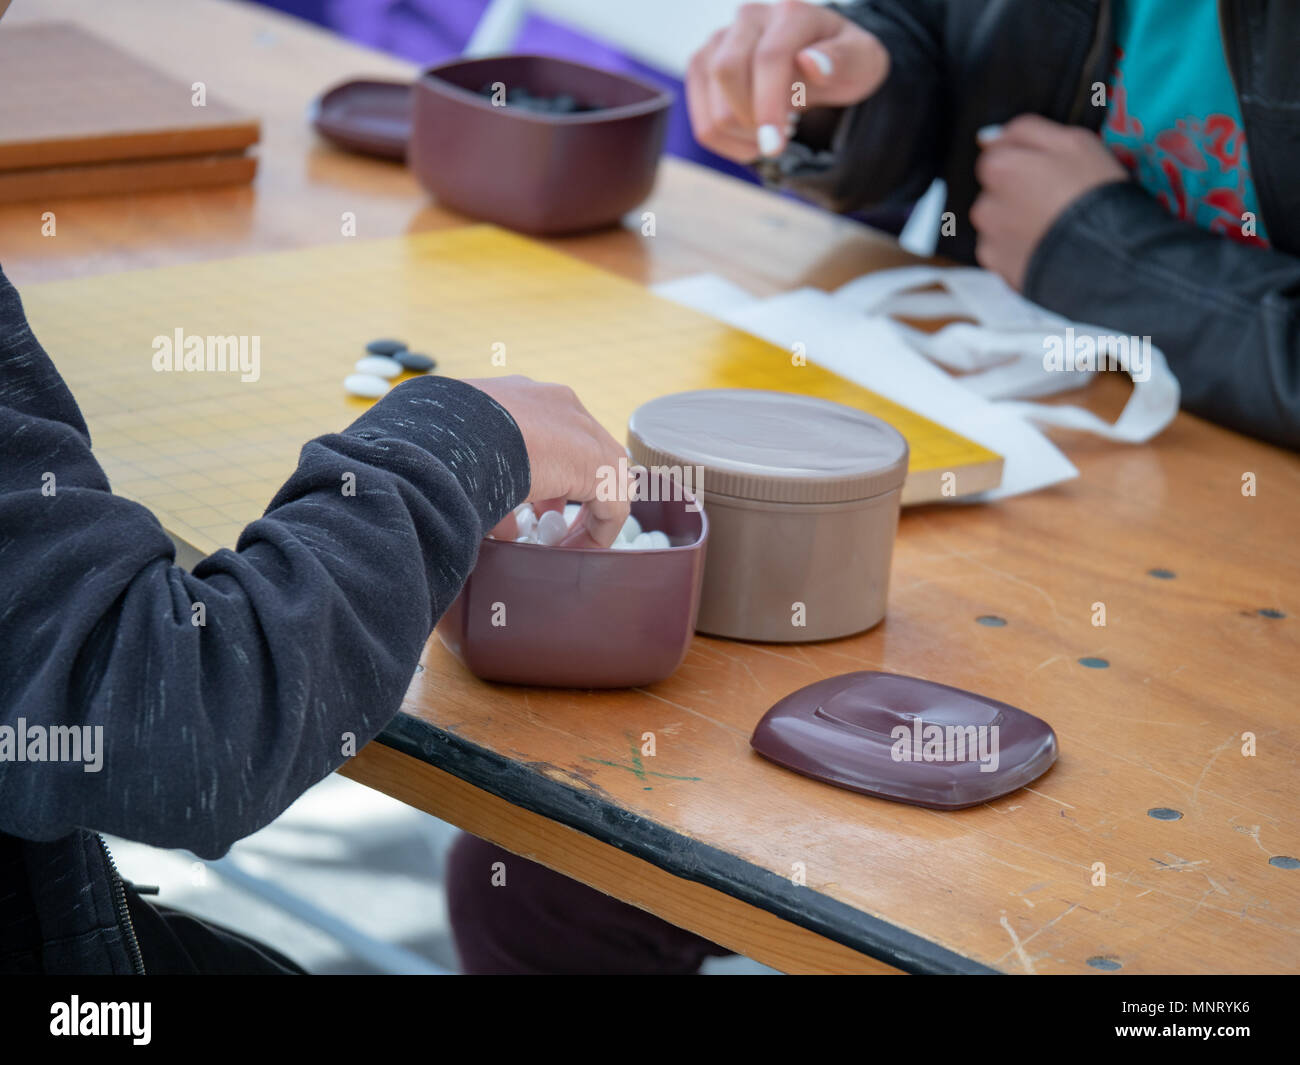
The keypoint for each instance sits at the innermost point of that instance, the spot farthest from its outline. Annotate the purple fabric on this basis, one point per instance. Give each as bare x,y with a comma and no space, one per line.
540,923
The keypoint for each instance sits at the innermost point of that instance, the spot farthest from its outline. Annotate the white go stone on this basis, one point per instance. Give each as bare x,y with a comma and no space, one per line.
366,385
526,520
551,528
631,529
571,512
379,366
650,541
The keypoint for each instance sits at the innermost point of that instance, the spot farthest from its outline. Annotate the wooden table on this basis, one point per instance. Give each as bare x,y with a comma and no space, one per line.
1200,584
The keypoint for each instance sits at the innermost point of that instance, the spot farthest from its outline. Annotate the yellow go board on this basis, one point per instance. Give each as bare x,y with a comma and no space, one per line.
206,451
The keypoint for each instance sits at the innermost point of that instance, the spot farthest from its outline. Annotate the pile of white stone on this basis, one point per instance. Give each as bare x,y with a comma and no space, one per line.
550,528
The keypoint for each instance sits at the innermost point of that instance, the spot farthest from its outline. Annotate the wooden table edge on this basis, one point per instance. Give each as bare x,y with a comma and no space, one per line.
582,834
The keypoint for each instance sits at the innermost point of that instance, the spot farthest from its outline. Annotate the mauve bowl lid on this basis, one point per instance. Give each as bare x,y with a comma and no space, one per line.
366,115
875,733
770,446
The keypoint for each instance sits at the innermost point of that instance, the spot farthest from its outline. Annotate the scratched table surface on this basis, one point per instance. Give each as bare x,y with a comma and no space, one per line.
1164,840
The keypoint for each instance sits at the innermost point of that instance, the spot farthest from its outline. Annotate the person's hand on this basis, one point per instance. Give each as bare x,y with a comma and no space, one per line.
1029,171
740,85
570,454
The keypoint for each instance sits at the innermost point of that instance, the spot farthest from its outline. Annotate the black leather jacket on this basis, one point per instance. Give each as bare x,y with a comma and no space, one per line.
1227,315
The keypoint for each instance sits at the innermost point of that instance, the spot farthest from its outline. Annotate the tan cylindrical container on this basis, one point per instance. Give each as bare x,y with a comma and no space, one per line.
802,497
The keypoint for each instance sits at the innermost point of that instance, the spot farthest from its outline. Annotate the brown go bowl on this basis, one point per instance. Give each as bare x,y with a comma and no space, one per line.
579,617
536,173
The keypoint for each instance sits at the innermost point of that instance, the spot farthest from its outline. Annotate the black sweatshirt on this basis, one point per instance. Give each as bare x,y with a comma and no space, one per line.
314,623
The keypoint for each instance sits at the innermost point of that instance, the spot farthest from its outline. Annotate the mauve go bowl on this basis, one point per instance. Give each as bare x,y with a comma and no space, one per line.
579,617
536,172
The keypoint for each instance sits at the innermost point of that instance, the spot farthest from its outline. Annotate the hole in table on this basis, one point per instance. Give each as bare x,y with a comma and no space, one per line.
1164,813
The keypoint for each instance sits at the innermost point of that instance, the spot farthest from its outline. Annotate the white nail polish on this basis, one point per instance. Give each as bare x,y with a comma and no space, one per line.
822,60
770,141
988,134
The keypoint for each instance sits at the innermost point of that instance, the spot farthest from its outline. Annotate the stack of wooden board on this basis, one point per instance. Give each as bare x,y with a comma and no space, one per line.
80,117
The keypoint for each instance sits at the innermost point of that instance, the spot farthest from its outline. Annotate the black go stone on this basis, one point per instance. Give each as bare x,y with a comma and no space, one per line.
410,360
562,104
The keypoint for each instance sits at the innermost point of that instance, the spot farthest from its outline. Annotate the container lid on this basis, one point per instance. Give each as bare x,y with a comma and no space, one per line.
367,115
906,739
770,446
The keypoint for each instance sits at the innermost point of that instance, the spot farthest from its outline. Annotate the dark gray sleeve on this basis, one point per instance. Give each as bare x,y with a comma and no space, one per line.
312,628
1226,315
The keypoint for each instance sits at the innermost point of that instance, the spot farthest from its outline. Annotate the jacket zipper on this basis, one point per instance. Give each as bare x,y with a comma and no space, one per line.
123,912
1236,89
1090,62
1227,58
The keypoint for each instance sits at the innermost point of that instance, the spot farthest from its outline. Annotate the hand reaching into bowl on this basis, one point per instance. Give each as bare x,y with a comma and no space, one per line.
570,454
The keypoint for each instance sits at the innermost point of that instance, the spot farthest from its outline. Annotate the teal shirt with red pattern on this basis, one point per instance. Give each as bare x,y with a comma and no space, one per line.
1173,118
